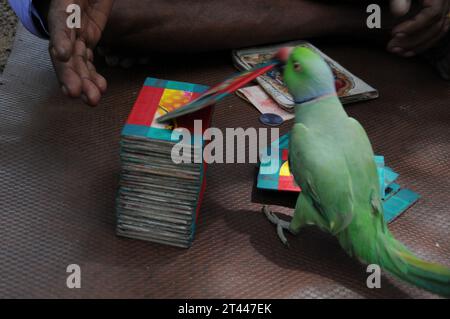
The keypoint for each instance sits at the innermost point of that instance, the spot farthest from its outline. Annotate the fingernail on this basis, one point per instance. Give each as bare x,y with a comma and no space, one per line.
400,35
64,90
53,51
84,98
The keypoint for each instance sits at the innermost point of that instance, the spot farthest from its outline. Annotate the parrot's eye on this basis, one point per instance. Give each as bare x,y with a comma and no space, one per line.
297,67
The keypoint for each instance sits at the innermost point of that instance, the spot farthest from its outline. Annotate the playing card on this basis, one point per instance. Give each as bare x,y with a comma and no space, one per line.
221,90
263,102
398,203
349,87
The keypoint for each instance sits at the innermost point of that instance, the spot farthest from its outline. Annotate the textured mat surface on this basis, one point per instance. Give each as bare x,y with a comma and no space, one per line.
59,165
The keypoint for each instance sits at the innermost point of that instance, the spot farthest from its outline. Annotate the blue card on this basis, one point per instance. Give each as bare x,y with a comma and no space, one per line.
389,177
390,191
399,203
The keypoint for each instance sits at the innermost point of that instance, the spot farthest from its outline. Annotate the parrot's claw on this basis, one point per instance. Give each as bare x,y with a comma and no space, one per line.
280,233
270,216
281,224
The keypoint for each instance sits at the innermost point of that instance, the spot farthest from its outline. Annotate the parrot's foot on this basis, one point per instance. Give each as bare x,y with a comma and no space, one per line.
281,224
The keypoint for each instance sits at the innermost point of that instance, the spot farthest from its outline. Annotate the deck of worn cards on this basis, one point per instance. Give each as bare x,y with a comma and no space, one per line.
159,200
396,200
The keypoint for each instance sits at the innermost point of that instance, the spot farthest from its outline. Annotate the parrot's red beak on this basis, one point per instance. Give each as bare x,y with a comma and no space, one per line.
283,54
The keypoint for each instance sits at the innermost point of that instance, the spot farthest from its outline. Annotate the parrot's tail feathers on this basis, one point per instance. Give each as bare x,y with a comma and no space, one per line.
405,265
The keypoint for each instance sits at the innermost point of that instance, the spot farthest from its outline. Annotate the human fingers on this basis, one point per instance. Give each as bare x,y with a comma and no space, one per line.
62,38
411,45
428,16
91,93
68,78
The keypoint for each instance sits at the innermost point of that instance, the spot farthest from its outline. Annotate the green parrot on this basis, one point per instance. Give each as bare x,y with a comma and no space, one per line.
332,160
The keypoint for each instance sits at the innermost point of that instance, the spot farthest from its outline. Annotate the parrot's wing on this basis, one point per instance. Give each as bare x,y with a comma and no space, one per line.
321,169
361,141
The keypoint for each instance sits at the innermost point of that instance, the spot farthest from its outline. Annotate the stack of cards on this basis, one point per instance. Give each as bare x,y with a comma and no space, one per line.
158,199
396,200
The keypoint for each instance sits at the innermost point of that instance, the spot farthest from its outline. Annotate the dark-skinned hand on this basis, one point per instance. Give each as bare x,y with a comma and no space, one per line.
423,31
71,50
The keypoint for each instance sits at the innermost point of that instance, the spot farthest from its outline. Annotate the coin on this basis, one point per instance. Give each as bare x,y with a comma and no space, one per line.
271,119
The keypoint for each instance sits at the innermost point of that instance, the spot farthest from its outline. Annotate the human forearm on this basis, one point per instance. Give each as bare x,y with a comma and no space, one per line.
178,25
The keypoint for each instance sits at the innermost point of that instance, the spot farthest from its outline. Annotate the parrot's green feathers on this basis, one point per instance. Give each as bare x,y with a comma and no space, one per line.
331,159
307,75
320,175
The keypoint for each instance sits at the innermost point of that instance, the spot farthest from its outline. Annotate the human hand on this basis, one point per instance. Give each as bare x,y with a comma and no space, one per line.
71,50
421,32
